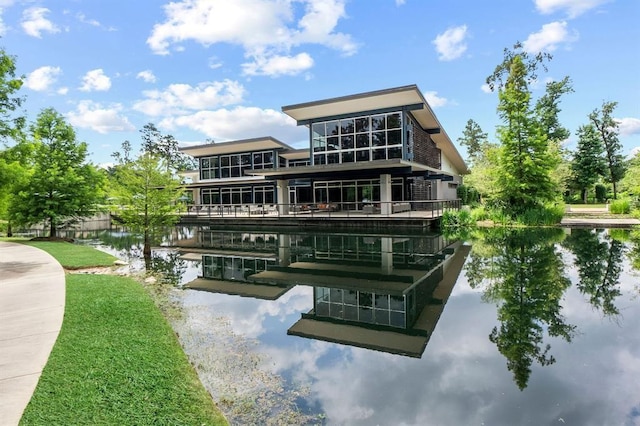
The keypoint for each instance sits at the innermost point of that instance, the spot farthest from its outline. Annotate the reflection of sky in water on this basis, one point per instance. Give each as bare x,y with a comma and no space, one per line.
461,377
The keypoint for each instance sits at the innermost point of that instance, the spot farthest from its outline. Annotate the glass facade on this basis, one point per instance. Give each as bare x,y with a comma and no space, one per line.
249,194
360,306
234,165
367,138
233,267
351,193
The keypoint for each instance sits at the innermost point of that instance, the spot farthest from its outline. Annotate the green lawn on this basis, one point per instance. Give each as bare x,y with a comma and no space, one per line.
116,361
74,256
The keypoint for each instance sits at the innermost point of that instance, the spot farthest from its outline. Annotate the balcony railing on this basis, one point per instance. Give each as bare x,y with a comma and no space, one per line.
395,209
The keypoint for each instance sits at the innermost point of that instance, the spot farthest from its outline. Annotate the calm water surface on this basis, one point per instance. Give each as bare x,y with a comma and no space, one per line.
509,327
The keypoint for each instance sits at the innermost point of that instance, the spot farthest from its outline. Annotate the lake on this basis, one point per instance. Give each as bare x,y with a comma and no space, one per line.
524,326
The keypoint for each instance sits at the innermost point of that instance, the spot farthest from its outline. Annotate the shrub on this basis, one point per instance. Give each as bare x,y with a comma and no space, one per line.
620,206
601,193
468,194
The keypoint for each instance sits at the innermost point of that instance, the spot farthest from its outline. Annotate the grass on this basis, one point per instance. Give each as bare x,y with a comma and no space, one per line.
74,256
117,360
70,256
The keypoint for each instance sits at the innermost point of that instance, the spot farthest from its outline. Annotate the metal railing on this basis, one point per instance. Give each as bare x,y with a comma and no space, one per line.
394,209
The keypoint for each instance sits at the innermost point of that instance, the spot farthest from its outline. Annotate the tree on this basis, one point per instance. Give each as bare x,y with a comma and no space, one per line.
548,108
147,196
474,139
631,181
165,147
11,128
525,164
607,129
63,186
15,168
587,164
10,125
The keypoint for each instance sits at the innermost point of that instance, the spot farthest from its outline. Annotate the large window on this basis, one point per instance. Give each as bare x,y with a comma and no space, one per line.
360,306
375,137
235,195
233,267
234,165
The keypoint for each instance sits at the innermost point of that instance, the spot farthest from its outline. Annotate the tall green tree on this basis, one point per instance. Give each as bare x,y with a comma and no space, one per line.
10,124
525,163
147,197
12,164
587,164
607,129
15,168
474,139
165,147
631,181
62,186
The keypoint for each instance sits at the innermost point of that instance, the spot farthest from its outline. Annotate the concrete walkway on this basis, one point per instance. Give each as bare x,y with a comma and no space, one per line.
32,295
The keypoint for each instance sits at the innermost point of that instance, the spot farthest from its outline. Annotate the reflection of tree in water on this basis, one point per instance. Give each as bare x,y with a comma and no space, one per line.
521,271
598,258
168,265
634,249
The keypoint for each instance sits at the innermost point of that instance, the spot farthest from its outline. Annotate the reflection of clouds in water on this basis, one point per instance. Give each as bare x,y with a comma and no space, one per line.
246,315
461,378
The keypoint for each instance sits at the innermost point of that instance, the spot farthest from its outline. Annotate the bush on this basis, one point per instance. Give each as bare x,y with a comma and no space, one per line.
544,215
620,206
468,194
601,193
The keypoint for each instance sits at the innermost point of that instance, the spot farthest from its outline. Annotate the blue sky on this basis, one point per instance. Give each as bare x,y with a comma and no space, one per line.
223,69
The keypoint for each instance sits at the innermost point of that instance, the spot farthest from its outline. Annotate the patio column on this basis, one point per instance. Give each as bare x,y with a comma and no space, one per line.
282,197
284,249
386,249
385,194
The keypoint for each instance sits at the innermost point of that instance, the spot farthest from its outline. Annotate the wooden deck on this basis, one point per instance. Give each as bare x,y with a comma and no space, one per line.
270,216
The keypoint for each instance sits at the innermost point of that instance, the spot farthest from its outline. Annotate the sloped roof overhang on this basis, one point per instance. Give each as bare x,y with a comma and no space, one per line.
243,145
409,98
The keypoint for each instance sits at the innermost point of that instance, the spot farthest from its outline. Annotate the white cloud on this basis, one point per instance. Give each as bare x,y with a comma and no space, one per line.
147,76
62,91
95,80
573,8
34,22
450,44
400,2
628,126
549,37
486,88
214,63
42,78
92,115
278,65
434,100
264,28
179,98
83,18
634,151
238,123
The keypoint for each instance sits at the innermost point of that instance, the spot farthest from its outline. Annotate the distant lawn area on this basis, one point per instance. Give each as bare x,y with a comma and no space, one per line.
587,206
117,360
74,256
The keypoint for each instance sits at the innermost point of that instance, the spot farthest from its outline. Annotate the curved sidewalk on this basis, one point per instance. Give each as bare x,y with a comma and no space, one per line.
32,297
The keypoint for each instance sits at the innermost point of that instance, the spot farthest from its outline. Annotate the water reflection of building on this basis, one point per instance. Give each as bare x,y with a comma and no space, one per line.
373,291
230,258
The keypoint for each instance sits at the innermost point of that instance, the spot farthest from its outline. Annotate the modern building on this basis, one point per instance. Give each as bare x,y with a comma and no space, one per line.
383,151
